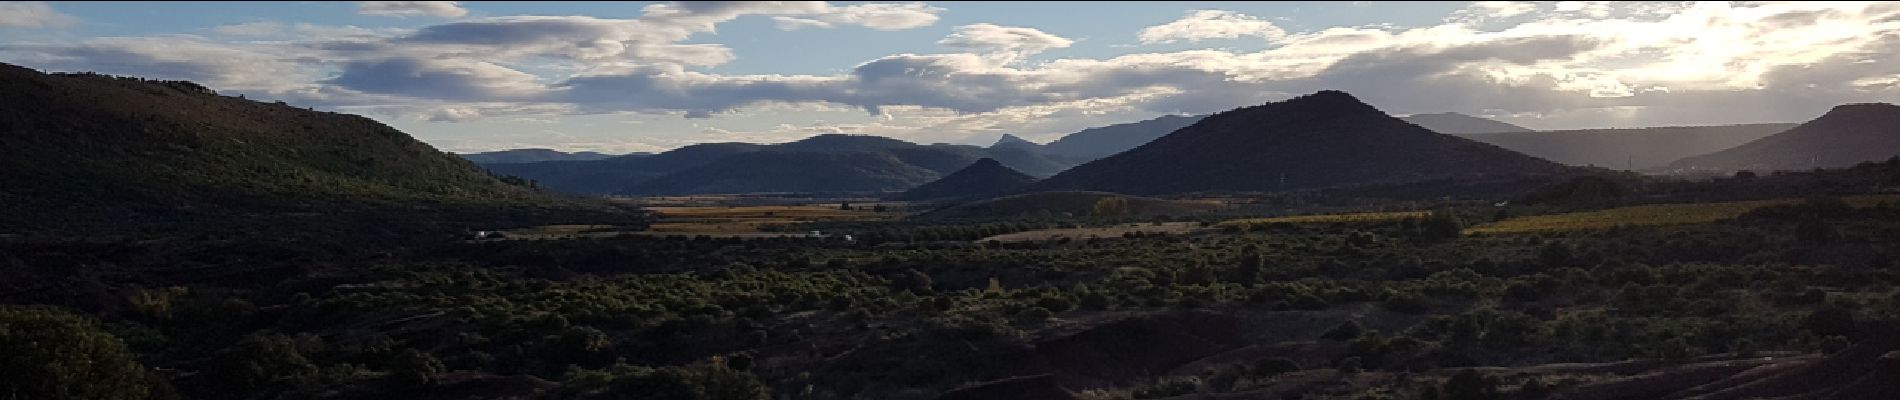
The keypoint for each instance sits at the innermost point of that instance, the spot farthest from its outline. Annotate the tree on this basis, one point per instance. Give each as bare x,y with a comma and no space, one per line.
1443,223
49,354
845,206
260,364
1829,321
1248,269
1469,385
1112,206
415,369
1345,331
914,281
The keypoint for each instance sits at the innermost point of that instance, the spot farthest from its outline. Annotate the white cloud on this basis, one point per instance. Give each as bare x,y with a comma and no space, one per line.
1480,11
260,28
32,14
887,17
1210,24
1007,43
454,114
440,9
1568,65
879,16
795,23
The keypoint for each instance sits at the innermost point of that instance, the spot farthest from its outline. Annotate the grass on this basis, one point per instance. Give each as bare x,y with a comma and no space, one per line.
1648,215
1329,218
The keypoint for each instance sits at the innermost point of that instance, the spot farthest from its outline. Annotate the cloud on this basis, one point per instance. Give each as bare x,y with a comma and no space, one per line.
1008,43
454,114
795,23
32,14
885,17
440,9
1201,25
218,65
1552,65
260,28
1481,11
438,79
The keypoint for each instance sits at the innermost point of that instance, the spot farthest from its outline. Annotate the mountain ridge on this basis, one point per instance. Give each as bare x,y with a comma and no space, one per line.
1327,138
984,178
1845,135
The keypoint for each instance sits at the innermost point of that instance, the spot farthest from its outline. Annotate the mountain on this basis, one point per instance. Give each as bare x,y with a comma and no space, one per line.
1847,135
94,147
1459,124
1077,203
614,173
1637,149
985,178
1094,143
1009,141
619,174
534,155
772,171
1319,140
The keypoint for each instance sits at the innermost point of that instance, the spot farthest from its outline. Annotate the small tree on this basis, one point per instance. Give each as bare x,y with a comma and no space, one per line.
1112,206
1469,385
1441,224
415,369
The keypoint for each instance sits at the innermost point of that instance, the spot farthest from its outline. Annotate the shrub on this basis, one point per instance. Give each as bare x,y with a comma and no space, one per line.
50,354
1168,388
1346,331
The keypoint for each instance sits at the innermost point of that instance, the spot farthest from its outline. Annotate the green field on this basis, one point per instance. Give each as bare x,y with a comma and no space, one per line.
1648,215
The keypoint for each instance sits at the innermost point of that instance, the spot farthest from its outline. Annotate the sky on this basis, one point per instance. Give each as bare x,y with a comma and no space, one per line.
649,76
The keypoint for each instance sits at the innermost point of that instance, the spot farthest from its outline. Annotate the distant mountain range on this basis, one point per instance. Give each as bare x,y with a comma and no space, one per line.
535,155
721,171
1459,124
1094,143
1319,140
804,172
1846,135
983,179
1637,149
1009,141
113,147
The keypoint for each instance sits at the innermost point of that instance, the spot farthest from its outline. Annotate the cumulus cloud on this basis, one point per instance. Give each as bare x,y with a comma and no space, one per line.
440,9
1009,43
1201,25
32,14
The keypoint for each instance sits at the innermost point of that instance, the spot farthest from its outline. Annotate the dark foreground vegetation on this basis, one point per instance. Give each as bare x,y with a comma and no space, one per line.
1241,310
